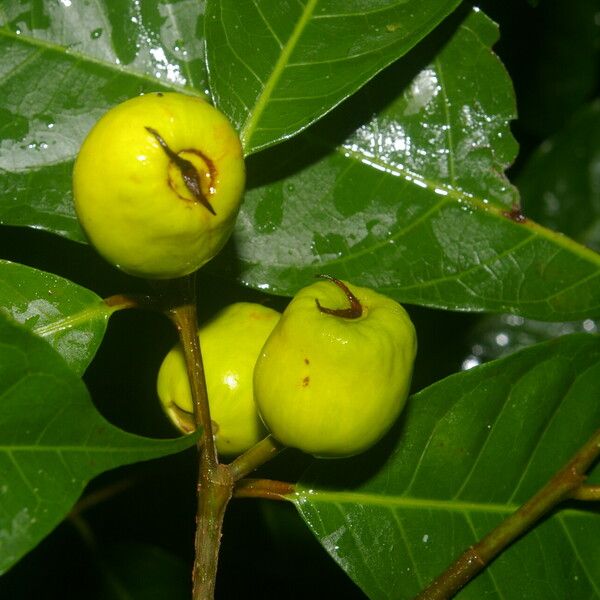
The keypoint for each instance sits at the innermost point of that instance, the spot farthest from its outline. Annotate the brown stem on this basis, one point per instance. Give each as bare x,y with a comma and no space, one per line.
561,487
215,483
183,314
353,312
214,492
256,456
264,488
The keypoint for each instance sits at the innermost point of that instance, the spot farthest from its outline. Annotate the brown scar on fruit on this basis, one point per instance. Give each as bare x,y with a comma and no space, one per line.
515,214
188,170
305,381
306,361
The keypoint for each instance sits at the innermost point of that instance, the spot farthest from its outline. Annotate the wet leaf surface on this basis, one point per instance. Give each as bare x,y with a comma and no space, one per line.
70,318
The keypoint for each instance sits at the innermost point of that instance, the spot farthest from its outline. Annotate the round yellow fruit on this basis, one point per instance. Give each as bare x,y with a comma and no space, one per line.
158,183
230,343
335,372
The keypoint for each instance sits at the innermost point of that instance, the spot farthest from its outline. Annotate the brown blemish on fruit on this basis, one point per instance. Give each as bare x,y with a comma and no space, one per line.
306,361
188,171
354,312
305,381
515,214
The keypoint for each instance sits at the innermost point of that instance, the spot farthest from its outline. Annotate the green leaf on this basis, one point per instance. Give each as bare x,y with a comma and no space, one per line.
276,67
559,184
52,441
414,201
63,65
467,452
72,319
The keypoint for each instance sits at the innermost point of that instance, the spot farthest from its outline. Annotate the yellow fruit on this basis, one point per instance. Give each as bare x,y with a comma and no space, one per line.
158,183
335,372
230,344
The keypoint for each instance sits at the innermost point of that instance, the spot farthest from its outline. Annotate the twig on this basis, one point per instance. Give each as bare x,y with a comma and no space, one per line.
567,483
215,483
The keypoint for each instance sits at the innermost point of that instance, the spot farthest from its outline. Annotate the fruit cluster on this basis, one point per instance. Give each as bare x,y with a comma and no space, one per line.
157,187
324,377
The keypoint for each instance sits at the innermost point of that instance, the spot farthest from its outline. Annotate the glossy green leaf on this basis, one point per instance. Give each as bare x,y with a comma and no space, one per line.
52,441
276,67
72,319
560,184
414,201
62,65
467,452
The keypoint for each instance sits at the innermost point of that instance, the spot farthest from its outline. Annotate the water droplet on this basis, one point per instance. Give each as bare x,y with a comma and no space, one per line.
96,33
502,339
470,362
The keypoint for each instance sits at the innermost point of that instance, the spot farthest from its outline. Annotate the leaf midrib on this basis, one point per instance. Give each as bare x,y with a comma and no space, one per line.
86,315
263,99
415,503
461,198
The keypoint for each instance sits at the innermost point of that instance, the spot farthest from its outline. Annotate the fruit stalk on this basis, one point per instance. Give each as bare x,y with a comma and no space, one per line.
256,456
563,486
215,484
